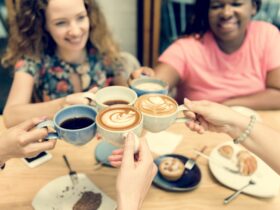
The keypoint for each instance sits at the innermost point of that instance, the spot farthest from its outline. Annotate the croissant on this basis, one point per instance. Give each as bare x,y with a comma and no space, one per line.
247,163
226,151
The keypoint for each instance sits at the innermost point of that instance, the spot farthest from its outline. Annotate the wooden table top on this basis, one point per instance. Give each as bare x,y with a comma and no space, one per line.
19,184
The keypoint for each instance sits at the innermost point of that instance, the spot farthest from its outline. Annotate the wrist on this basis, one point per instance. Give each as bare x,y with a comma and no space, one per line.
127,203
237,126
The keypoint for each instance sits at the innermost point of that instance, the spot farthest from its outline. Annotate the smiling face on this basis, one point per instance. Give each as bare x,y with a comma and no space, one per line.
228,19
68,24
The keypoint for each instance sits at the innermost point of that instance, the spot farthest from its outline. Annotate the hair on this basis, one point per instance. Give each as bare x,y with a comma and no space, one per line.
29,37
198,24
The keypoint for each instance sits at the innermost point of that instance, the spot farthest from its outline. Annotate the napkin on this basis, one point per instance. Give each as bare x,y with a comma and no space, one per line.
163,142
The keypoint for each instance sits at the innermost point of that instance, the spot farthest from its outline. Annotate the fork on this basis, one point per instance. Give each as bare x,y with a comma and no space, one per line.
191,161
73,174
234,195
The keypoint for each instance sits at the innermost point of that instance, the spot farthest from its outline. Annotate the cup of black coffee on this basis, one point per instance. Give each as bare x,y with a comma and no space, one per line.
75,124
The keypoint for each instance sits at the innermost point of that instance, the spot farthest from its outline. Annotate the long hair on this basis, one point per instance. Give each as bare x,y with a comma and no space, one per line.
198,24
28,35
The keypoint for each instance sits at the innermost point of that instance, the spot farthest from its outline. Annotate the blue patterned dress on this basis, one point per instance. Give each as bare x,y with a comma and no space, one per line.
52,75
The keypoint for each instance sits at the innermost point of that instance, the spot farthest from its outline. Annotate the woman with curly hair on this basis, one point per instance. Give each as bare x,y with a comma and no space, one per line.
58,48
224,57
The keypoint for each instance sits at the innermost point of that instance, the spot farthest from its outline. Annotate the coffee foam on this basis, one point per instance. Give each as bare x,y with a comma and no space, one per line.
149,86
156,104
119,118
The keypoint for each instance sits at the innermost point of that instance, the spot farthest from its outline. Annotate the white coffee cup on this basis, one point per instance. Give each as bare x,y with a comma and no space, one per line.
159,111
112,95
114,122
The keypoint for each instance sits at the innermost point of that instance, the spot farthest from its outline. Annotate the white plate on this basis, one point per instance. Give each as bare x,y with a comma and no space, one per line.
59,194
267,181
247,112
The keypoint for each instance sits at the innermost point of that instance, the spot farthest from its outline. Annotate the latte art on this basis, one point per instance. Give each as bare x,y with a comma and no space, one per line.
119,118
156,104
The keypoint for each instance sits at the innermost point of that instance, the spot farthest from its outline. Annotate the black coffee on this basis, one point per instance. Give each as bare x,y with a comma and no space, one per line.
113,102
76,123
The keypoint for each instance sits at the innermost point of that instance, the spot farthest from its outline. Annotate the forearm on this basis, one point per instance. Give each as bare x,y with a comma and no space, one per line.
265,100
15,114
127,204
263,141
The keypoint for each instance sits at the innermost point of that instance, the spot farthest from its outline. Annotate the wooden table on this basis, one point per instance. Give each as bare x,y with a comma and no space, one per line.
19,184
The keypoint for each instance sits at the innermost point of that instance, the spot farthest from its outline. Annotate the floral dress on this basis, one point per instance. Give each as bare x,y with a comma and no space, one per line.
52,75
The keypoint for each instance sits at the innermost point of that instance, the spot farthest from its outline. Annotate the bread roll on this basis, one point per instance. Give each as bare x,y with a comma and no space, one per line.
171,168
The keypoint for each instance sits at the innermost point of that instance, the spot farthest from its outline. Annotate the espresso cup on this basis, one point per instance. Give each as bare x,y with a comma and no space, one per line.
147,85
159,111
75,124
112,95
114,122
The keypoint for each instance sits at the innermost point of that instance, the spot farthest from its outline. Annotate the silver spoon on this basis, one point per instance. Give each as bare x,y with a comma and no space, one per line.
234,195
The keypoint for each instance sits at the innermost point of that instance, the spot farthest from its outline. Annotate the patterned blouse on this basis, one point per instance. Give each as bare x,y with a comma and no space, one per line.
52,75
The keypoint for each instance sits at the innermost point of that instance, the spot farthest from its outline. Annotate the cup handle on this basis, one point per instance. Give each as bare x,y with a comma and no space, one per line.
182,108
91,97
46,124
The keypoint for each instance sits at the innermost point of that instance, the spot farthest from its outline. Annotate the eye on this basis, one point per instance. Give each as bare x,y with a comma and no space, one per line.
237,4
81,17
216,5
60,23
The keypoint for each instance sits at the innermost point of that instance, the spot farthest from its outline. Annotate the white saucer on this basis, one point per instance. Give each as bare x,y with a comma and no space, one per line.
267,180
247,112
60,194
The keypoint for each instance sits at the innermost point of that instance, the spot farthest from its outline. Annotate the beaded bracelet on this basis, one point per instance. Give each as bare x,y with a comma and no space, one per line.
247,131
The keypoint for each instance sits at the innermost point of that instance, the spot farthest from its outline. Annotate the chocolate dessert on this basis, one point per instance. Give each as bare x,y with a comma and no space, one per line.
88,201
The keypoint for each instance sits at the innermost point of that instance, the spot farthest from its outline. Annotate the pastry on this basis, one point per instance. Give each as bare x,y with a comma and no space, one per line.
246,163
226,151
171,168
88,201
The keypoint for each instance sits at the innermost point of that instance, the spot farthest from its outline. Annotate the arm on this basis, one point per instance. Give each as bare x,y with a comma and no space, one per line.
135,176
19,107
267,99
263,141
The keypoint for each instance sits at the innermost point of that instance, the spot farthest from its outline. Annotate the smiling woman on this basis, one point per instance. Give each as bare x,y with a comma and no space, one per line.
59,48
224,56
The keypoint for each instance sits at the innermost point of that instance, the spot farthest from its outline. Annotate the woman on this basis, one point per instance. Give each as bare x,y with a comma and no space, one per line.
59,47
225,57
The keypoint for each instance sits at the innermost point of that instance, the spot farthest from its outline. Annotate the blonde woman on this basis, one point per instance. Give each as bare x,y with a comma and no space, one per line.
59,48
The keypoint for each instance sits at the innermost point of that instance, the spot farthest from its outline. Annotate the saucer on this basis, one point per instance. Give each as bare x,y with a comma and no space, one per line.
102,151
189,180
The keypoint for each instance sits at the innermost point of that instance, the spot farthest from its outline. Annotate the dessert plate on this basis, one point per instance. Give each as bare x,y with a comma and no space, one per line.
189,180
60,194
267,181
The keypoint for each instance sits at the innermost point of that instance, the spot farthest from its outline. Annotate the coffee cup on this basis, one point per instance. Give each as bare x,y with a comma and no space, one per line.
75,124
147,85
112,95
114,122
159,111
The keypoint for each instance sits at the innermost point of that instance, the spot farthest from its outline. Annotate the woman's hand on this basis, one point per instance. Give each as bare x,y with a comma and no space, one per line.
24,141
135,176
80,98
211,116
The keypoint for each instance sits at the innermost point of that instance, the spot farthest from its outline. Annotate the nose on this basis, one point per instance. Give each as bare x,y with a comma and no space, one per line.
74,30
227,11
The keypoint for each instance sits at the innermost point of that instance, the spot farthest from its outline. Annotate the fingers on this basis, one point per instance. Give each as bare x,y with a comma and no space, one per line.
35,148
128,154
116,164
199,107
29,124
113,158
32,136
142,71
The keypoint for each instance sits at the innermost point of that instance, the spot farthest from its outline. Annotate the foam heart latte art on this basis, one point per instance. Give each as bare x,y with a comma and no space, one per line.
156,104
119,118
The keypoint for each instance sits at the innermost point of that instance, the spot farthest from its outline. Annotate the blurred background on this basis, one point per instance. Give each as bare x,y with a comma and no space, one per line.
144,28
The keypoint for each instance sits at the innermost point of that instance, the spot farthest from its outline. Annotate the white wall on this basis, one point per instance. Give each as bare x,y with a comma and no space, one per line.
121,16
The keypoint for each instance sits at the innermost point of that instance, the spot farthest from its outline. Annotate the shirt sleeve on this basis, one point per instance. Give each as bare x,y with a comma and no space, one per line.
174,56
272,48
26,65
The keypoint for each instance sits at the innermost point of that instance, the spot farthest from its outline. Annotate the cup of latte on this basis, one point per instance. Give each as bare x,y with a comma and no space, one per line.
159,111
112,95
146,85
75,124
114,122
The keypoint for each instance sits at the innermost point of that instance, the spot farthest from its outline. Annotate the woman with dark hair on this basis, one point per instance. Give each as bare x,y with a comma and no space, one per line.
225,57
60,48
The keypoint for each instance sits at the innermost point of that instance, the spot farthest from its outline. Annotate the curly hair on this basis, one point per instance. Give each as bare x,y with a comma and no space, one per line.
29,37
198,24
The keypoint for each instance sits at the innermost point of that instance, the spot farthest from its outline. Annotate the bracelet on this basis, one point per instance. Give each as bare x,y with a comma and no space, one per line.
247,131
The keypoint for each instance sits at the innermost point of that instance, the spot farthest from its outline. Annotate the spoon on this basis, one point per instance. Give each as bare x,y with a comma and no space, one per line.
234,195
